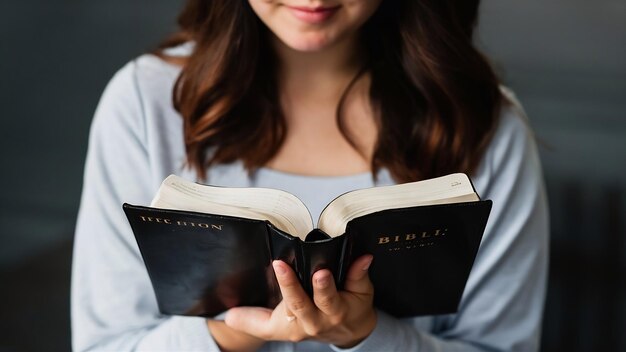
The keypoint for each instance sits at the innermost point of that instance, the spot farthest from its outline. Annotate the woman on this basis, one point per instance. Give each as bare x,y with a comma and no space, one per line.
317,98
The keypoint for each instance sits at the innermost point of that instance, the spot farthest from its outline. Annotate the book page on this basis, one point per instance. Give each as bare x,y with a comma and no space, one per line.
454,188
282,209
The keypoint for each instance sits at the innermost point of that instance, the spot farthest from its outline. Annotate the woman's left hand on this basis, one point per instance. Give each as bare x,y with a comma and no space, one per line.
342,318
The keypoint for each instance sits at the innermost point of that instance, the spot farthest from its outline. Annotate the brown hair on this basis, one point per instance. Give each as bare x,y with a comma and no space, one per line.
436,98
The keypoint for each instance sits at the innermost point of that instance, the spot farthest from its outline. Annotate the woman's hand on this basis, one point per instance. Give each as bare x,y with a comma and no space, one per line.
229,339
341,318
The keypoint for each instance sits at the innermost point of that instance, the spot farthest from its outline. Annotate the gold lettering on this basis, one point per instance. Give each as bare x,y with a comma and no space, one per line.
187,223
404,238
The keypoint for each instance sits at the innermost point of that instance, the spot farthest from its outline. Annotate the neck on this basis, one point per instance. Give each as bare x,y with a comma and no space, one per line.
323,70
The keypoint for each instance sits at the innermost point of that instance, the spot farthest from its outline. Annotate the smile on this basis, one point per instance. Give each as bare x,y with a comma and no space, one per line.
313,15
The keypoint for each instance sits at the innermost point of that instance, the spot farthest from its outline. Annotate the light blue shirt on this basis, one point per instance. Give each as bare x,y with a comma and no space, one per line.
136,141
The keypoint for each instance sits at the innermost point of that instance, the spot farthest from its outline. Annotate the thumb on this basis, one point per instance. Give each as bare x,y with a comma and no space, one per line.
357,280
251,320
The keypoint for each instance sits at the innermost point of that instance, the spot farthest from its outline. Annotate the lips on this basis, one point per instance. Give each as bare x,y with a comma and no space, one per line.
313,15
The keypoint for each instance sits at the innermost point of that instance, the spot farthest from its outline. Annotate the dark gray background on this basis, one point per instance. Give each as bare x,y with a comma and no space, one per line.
565,59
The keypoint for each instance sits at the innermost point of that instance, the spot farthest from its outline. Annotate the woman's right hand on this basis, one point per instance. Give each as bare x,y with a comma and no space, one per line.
229,339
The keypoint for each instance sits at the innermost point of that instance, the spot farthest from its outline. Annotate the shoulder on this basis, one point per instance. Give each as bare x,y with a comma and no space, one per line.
514,137
512,149
147,77
138,93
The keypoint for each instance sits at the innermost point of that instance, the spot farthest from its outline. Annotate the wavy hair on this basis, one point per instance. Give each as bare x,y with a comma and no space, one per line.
435,97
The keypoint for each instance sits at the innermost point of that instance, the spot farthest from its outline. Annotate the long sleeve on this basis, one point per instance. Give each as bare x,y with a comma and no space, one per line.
502,304
112,302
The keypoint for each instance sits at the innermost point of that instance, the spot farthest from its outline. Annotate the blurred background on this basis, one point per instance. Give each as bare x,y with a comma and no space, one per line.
566,60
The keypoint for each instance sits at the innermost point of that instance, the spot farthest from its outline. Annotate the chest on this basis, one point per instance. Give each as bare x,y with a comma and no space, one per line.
317,143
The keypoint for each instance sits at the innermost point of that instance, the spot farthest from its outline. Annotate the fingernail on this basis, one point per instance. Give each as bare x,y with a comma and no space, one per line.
278,268
228,317
367,264
322,282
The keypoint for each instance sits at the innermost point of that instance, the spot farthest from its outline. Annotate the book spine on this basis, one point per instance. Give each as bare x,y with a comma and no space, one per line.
325,254
345,260
303,268
288,249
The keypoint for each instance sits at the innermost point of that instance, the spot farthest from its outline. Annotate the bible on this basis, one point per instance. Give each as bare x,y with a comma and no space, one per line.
209,248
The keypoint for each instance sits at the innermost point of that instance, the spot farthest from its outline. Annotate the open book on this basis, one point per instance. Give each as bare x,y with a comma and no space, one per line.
210,248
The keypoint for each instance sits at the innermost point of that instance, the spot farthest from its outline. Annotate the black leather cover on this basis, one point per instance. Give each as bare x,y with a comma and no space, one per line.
422,255
203,264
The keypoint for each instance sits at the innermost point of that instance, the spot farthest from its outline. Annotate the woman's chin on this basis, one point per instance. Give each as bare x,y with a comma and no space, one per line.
307,43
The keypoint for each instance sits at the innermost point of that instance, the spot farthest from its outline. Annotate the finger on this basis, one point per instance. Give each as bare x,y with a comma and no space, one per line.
357,280
288,314
296,300
251,320
325,294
